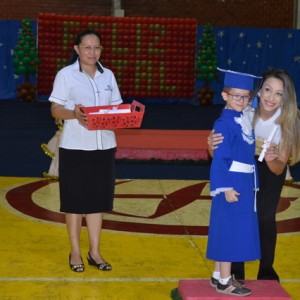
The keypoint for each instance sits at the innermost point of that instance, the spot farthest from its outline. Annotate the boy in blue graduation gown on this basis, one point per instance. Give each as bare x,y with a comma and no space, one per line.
233,229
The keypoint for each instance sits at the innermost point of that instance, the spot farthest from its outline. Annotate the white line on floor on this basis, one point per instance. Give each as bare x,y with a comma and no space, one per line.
116,279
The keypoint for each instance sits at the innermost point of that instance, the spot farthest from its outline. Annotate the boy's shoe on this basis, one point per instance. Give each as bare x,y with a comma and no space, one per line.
214,282
232,288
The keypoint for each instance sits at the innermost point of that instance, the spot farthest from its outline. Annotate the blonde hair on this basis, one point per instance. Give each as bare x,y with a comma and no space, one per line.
289,119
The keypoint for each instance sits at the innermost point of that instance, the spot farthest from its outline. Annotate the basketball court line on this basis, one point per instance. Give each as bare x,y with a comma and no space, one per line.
70,279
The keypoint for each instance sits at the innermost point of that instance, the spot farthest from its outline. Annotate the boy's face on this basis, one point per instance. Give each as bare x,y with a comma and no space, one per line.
237,99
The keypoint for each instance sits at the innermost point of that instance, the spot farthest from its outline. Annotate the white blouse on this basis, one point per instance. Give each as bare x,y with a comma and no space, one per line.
73,86
263,129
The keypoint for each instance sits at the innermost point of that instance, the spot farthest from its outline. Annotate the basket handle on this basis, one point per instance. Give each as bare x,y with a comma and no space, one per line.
137,106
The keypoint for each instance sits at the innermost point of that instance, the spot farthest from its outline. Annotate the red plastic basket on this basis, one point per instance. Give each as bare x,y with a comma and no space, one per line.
98,121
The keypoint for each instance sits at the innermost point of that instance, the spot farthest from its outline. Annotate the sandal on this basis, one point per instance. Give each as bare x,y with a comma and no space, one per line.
76,268
105,266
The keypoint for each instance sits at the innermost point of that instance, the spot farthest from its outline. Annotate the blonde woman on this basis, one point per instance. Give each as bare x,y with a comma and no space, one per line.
276,113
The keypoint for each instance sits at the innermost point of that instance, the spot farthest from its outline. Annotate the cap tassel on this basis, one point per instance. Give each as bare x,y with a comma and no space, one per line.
254,102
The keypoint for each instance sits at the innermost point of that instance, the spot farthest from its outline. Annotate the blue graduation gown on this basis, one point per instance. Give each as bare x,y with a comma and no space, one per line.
233,229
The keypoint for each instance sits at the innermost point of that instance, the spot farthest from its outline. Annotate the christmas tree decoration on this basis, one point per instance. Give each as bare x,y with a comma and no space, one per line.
25,61
206,64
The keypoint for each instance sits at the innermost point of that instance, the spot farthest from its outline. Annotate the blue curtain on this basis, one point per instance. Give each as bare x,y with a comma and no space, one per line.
249,50
255,50
8,40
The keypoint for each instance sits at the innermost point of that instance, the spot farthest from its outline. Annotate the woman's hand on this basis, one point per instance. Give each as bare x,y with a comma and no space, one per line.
276,160
213,140
80,115
272,152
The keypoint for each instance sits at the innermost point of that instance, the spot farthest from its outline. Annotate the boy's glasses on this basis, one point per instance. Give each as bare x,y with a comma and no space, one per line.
239,97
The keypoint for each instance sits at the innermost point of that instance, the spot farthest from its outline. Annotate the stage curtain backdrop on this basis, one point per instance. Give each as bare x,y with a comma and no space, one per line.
253,51
8,40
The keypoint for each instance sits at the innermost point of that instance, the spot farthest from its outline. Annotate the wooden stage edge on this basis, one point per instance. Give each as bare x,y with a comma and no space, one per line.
145,144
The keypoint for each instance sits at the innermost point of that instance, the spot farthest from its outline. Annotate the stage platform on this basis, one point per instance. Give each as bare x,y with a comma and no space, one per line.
147,144
261,290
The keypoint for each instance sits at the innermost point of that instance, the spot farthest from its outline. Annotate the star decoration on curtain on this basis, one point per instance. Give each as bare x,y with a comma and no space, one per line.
259,44
229,61
296,58
221,33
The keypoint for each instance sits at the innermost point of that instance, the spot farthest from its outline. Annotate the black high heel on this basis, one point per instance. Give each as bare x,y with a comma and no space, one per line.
105,266
76,268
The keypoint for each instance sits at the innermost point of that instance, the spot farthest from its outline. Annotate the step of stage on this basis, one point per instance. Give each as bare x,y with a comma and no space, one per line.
261,290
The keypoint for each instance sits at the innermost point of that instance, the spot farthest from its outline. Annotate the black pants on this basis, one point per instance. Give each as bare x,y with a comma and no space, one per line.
270,186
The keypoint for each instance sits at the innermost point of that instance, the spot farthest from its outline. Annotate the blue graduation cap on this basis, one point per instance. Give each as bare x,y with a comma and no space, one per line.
240,80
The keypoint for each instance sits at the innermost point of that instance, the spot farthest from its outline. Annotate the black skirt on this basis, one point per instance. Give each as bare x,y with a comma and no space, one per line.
86,180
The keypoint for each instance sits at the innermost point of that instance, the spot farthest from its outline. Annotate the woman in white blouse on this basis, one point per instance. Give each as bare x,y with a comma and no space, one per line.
86,158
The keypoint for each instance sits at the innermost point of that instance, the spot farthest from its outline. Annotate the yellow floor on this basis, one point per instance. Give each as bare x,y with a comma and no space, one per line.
34,251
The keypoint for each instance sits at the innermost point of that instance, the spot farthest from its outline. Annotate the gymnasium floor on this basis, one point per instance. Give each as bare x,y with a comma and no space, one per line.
155,237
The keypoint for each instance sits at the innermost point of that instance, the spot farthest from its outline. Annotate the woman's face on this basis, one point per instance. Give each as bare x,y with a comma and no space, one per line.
271,95
89,50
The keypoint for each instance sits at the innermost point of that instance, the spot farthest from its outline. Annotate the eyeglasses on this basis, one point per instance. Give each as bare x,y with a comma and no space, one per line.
90,49
239,97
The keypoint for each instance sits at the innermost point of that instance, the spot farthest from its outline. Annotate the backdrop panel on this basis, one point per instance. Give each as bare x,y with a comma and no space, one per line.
249,50
255,50
151,57
8,40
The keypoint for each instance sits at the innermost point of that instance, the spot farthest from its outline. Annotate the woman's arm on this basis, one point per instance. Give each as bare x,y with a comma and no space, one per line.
276,161
60,112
